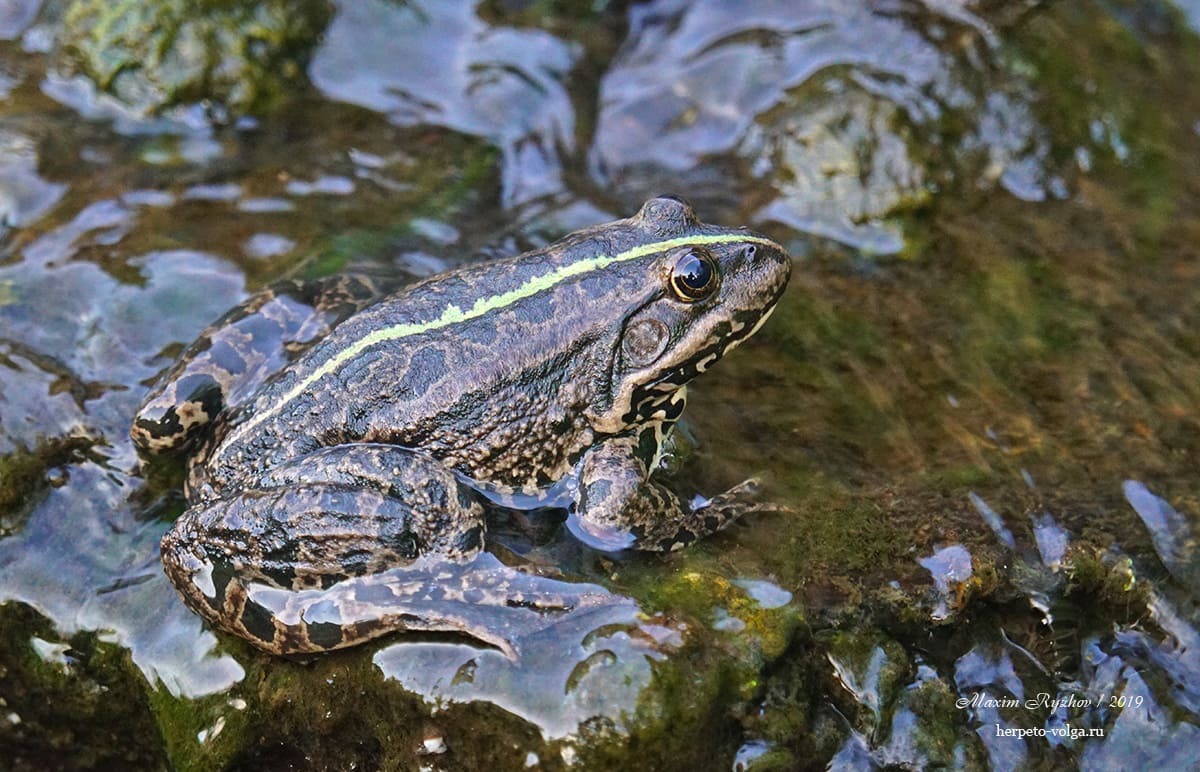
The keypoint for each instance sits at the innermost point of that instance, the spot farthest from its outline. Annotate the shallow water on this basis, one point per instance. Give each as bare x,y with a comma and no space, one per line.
977,403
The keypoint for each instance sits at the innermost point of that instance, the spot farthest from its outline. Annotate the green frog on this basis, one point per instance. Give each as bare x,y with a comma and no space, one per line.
338,438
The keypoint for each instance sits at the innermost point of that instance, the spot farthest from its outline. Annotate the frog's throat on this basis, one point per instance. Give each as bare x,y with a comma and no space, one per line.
452,314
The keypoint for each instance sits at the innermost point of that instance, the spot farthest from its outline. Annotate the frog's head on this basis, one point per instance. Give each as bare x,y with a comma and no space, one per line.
705,289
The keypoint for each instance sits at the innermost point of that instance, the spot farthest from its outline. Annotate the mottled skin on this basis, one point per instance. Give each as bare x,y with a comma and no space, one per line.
556,373
241,350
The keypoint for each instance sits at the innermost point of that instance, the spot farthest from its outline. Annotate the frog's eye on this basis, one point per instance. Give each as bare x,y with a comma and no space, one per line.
694,275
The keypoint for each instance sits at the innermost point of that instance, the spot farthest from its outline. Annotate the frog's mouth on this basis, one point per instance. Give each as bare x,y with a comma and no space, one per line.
679,375
648,398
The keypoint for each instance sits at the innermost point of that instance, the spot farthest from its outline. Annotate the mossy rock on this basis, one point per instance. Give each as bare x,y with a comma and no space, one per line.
70,704
243,55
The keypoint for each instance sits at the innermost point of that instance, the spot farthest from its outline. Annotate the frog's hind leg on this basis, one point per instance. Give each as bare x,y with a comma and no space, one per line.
334,515
236,353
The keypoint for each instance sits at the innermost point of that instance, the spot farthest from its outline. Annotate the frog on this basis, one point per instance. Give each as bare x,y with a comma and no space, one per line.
342,445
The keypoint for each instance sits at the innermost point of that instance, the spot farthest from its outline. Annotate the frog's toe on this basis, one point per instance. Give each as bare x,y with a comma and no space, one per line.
605,537
747,490
743,499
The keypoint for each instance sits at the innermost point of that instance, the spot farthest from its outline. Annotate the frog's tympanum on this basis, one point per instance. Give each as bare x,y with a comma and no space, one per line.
336,436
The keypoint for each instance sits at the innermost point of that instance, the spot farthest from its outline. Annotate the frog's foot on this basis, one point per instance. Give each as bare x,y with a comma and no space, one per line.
336,514
617,507
480,598
237,352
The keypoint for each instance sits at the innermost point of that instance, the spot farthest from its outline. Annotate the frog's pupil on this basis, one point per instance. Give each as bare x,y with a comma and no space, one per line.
694,275
694,272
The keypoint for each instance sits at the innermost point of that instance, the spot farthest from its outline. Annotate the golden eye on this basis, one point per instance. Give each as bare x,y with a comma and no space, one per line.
694,275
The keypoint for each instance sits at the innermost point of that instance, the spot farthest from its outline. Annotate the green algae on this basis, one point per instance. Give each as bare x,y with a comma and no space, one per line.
204,734
70,704
1108,581
1021,341
24,473
443,188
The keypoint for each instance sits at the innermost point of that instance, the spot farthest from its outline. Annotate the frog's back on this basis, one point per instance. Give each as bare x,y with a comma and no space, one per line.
509,370
468,366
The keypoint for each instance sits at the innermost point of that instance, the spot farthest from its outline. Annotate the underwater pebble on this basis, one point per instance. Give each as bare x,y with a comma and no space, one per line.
327,184
949,566
226,192
265,205
265,245
433,745
993,519
204,735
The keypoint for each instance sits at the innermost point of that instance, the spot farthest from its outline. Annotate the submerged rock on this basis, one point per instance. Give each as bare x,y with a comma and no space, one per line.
243,55
839,116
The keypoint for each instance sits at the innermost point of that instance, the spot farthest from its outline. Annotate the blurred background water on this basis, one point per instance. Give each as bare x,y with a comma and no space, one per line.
978,400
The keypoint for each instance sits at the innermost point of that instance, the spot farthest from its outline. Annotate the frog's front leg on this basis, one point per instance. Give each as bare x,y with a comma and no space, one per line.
333,515
618,507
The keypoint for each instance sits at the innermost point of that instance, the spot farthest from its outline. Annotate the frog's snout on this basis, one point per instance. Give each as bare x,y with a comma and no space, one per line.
769,265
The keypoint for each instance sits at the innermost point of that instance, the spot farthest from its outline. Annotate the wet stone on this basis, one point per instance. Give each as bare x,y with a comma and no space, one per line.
163,53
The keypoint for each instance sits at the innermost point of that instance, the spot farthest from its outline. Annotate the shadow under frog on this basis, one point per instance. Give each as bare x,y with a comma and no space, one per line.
339,442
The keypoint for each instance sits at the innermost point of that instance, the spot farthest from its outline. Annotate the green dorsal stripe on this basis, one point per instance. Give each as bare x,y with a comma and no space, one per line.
452,314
